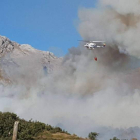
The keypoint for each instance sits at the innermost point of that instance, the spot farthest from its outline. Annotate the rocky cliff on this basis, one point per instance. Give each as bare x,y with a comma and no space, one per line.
24,57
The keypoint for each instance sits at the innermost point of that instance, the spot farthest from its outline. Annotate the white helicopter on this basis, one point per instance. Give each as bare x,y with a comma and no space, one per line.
94,44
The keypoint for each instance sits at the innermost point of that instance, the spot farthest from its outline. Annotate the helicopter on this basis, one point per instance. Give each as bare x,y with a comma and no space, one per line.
91,45
94,44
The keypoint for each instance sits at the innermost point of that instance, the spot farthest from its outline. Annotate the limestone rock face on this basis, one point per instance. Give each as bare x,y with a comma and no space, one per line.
24,59
6,45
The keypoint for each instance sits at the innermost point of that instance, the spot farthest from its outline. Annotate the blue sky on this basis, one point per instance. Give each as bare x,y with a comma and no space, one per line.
44,24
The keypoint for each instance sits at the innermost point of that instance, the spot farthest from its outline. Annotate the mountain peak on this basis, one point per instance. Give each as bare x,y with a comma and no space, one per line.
16,57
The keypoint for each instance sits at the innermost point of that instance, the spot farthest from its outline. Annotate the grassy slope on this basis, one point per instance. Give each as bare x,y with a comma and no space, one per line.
46,135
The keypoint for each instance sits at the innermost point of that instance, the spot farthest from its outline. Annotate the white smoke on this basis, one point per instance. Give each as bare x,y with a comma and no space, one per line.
85,95
114,21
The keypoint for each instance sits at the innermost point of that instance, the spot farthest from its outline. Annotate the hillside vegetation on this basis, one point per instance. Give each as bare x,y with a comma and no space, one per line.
31,130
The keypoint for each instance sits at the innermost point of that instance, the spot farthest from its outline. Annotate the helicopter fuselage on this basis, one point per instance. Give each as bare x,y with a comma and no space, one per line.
93,45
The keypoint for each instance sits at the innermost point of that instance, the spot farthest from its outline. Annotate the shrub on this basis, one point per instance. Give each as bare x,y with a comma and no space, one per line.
93,135
115,138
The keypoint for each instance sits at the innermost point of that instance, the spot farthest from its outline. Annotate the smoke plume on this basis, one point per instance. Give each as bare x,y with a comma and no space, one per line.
84,95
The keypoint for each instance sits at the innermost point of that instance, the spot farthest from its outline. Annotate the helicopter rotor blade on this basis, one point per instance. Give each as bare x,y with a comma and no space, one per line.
92,41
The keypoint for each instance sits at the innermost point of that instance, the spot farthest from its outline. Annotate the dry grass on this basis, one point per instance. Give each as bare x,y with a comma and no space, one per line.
57,136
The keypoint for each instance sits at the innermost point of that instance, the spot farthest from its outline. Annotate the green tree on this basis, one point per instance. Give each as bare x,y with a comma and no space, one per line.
93,135
115,138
